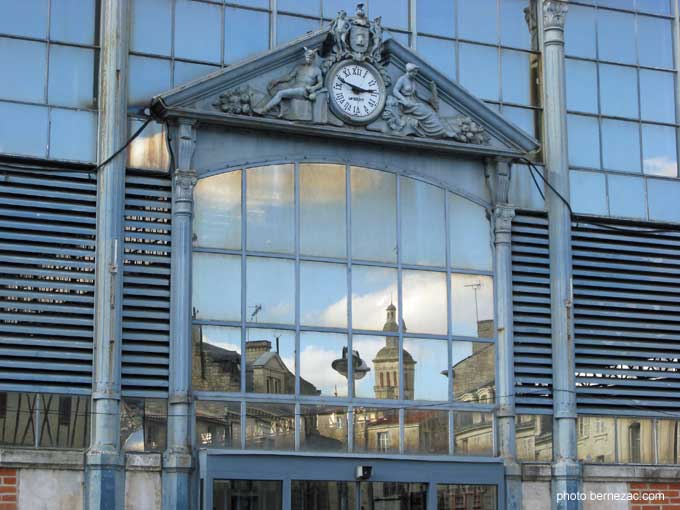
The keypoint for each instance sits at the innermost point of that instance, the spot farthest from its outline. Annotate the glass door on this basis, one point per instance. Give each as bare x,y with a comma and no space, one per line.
319,495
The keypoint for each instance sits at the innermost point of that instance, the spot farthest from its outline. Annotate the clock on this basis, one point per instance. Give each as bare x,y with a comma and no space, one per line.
356,91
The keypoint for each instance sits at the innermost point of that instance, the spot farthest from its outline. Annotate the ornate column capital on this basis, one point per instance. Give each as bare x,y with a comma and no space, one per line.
184,176
497,173
502,223
554,14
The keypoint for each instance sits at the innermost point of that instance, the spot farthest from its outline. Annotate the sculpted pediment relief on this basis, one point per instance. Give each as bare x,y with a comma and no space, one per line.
346,79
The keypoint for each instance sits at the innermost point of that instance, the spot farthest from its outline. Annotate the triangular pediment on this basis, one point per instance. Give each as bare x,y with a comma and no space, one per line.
349,82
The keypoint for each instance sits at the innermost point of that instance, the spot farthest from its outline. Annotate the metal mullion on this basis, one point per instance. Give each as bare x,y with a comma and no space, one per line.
449,302
452,435
425,336
374,333
414,267
297,427
400,300
412,24
223,24
375,264
402,426
272,23
296,204
271,255
676,58
243,424
348,247
244,310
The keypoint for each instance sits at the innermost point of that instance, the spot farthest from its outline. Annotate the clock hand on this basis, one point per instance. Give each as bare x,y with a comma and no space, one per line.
353,87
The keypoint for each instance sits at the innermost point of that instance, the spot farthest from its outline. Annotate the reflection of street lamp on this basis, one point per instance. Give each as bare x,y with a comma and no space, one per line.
475,287
359,366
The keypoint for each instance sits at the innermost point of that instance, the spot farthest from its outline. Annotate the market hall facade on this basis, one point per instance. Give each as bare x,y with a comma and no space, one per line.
343,271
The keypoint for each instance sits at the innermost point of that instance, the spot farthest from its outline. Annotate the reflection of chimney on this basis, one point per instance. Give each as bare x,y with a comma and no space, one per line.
485,328
257,348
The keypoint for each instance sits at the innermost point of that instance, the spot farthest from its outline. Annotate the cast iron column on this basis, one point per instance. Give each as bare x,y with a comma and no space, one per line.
565,468
503,213
105,475
177,458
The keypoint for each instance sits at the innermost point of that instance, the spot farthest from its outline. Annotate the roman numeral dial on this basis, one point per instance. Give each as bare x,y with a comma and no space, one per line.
357,92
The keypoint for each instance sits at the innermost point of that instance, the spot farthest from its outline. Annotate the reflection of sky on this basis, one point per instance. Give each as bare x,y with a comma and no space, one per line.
217,211
367,347
424,299
470,237
463,302
271,285
373,288
431,359
270,208
422,223
226,338
317,353
217,286
322,287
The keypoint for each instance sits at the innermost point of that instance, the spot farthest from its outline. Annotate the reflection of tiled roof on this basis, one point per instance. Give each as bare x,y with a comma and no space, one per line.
410,418
220,354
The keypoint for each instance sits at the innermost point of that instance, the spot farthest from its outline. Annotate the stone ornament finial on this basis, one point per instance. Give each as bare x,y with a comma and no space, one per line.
554,13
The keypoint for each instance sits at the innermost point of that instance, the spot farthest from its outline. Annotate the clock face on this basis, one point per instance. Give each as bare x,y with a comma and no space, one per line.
357,92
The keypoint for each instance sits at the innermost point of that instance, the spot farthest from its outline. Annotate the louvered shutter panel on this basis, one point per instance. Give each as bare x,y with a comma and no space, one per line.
47,250
531,313
146,293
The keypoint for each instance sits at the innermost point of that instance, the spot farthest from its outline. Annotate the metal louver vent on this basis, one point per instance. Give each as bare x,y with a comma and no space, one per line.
531,313
627,320
146,292
47,250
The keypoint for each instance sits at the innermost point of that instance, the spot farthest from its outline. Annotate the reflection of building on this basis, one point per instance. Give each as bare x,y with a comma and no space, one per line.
386,363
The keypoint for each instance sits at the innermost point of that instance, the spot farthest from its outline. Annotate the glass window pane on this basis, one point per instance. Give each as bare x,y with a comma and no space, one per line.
323,294
250,494
579,32
426,369
627,196
151,13
401,37
472,305
72,21
26,134
270,205
308,494
26,17
63,145
581,79
373,290
292,27
366,383
477,20
185,72
616,36
150,149
270,292
657,100
659,151
662,7
297,7
217,211
394,13
474,372
534,436
584,141
435,17
426,432
323,429
323,210
596,439
618,91
64,422
440,53
473,433
376,430
216,286
655,42
148,77
620,145
71,76
423,229
516,77
449,497
668,441
323,364
245,33
194,22
469,234
270,426
218,424
331,7
514,29
588,192
216,364
479,69
524,118
635,440
424,297
374,215
270,362
393,495
662,195
25,62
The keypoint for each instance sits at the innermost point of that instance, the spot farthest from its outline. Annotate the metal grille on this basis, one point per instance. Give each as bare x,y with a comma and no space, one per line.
146,294
47,249
627,325
531,313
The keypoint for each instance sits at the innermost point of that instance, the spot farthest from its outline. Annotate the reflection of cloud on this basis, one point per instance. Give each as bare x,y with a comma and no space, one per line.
226,338
270,187
464,321
661,165
367,347
322,184
316,368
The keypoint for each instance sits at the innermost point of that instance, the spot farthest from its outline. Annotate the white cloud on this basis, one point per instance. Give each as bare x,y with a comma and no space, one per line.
661,165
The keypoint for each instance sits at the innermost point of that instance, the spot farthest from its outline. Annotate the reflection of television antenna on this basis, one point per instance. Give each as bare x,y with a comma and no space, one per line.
257,309
475,287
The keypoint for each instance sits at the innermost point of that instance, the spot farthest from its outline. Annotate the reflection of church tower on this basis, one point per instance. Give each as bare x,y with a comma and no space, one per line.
386,363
